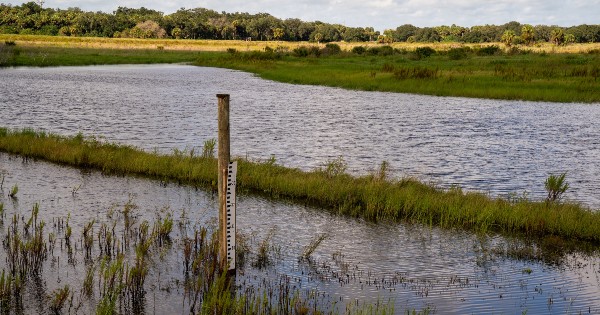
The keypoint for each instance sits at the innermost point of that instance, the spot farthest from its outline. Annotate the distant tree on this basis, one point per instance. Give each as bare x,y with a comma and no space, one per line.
527,34
427,35
542,32
569,39
557,36
318,37
370,32
508,37
147,29
278,33
405,31
176,32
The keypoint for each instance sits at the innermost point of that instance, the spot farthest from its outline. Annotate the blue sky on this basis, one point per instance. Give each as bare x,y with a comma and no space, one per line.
381,14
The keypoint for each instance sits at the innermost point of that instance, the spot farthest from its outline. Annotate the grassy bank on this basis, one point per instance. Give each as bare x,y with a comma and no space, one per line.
371,197
521,75
537,73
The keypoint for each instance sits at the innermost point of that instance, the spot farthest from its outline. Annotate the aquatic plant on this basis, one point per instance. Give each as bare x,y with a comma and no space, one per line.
88,237
335,167
262,257
58,298
556,186
13,191
208,150
88,281
312,246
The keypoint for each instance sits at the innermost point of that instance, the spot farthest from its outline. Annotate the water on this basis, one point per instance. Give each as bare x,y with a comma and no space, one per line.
415,267
492,146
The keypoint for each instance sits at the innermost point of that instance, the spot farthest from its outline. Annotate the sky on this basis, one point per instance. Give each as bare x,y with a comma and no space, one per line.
380,14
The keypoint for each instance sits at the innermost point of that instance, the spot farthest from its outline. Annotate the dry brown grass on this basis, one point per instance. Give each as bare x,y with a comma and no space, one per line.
240,45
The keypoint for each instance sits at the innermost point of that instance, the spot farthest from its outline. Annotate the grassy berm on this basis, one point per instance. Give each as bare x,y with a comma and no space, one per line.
373,197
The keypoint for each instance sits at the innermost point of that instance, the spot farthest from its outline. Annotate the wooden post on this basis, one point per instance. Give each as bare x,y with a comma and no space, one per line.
223,164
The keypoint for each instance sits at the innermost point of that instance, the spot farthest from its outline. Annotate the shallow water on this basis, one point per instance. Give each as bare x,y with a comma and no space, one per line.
415,267
493,146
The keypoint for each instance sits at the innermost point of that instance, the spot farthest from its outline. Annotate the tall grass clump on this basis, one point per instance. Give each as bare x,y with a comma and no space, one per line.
58,299
328,187
556,186
13,191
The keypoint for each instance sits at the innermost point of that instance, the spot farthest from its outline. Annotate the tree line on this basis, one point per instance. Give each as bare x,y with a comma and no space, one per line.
200,23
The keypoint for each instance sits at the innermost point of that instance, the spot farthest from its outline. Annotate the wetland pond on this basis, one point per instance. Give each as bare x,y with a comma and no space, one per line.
495,146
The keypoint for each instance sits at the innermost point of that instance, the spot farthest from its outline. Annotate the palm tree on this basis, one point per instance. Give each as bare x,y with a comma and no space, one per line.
528,34
557,36
508,37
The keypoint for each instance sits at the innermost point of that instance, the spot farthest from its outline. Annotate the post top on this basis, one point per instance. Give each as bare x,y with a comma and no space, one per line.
222,95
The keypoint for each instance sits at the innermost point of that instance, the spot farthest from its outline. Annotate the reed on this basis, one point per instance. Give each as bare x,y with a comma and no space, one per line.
312,246
13,191
368,197
58,298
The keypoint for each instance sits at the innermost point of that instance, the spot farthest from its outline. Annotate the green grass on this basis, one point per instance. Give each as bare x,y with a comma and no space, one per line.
60,56
544,75
369,197
535,77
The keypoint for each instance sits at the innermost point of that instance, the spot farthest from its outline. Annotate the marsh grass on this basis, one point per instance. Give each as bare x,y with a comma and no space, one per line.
403,199
486,72
13,191
538,73
58,298
121,276
313,245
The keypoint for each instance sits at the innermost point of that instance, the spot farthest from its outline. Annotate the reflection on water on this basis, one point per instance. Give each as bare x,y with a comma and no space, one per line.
488,145
452,272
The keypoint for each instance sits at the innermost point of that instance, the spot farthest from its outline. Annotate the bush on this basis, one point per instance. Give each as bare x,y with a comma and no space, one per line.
305,51
489,51
556,186
424,52
359,50
458,53
331,49
381,51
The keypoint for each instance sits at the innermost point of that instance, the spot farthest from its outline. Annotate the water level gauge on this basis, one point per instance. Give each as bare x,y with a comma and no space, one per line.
230,205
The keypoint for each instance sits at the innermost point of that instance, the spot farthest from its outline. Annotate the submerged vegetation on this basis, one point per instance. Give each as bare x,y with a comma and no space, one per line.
371,197
122,267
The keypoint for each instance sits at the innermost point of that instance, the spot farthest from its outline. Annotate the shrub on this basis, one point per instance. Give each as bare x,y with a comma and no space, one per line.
359,50
424,52
489,51
331,49
305,51
457,53
386,50
556,186
381,51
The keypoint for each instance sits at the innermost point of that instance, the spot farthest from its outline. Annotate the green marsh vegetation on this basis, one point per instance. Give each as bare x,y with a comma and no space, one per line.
481,72
547,73
374,197
121,266
40,56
